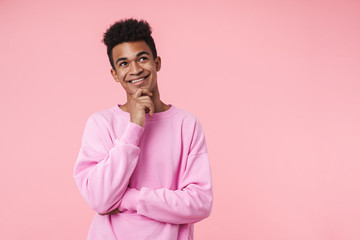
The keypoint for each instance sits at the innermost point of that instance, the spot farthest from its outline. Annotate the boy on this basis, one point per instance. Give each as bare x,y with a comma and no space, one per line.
143,166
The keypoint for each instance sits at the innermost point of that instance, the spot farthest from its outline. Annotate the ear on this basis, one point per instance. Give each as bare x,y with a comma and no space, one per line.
158,63
113,73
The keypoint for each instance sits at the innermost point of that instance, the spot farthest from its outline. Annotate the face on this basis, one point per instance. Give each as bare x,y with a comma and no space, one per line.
135,66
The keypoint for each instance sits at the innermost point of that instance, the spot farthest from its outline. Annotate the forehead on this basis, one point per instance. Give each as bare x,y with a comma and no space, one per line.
130,49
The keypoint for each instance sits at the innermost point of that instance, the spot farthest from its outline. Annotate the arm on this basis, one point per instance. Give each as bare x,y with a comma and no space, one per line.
192,201
103,168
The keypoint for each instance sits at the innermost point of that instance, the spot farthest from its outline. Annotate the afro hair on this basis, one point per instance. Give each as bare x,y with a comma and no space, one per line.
128,30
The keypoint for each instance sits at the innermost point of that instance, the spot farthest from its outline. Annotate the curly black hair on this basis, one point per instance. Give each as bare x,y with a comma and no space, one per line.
128,30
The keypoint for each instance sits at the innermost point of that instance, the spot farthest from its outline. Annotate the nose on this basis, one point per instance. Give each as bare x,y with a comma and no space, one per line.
135,68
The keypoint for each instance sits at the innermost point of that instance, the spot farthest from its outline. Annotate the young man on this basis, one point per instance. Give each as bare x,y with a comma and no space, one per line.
143,166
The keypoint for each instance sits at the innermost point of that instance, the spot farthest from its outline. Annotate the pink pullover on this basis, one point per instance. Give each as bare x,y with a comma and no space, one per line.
157,175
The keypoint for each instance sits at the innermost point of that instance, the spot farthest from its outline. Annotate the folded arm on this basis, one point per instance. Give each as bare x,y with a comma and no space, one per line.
191,202
103,168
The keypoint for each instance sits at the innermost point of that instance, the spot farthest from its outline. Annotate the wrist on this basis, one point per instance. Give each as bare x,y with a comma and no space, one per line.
130,200
137,121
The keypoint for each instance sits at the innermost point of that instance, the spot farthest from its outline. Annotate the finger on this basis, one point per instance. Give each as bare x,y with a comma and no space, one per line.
112,212
116,211
137,93
103,214
142,92
145,91
147,104
144,98
151,108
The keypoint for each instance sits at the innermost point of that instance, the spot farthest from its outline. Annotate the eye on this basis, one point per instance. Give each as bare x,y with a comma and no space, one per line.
143,59
122,64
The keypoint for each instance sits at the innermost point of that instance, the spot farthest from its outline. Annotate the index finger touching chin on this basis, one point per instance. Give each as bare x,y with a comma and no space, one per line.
145,91
137,93
141,92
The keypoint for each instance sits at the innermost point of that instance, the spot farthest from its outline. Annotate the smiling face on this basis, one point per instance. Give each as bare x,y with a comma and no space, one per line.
135,66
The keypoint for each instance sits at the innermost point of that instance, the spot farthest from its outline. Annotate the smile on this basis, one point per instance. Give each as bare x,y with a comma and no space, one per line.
138,80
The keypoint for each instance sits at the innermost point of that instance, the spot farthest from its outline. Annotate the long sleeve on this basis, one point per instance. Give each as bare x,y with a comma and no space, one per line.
104,165
192,201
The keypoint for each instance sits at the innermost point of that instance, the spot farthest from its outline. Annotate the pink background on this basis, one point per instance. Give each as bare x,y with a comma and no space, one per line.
274,83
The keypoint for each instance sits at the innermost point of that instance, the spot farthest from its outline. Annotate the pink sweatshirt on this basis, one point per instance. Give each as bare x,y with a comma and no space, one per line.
157,175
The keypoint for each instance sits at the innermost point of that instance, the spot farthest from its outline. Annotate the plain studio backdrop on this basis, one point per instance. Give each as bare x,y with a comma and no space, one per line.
274,83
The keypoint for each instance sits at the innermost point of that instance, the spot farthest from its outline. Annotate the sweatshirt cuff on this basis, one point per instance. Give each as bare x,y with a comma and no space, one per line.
129,200
132,134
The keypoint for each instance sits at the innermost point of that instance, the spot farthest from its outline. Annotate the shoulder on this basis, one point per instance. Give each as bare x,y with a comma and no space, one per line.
103,116
189,120
193,132
185,115
98,130
103,120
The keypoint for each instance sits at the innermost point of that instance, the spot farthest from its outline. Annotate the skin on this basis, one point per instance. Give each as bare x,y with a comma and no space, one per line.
112,212
134,60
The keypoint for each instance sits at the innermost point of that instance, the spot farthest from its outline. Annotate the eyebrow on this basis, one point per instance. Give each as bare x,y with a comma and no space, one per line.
137,55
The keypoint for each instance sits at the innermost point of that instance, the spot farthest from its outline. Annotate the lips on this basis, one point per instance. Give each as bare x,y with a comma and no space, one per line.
138,79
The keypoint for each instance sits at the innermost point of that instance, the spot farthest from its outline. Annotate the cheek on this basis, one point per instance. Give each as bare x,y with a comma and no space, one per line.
120,75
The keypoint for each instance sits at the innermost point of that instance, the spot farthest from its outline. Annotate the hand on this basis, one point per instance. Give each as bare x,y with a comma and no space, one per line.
139,104
115,211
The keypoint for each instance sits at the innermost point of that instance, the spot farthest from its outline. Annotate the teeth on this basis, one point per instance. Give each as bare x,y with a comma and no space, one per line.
138,80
